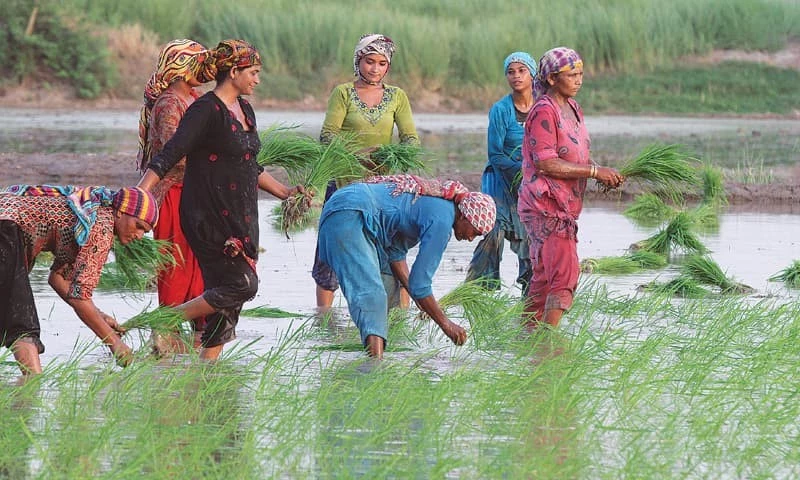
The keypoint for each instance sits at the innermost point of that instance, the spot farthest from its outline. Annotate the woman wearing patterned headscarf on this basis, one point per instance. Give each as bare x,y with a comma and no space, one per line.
219,208
78,225
556,163
370,108
182,66
501,176
365,227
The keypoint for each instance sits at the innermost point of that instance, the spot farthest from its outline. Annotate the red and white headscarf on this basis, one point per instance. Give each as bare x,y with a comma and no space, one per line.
478,208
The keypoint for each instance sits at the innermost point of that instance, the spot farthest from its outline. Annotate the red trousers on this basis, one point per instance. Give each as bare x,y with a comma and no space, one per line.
183,282
555,275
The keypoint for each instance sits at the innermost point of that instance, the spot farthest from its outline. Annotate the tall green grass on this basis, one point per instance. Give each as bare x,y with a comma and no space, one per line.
313,40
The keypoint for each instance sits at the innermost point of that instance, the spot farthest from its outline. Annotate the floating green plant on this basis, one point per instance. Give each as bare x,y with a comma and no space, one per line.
268,312
789,275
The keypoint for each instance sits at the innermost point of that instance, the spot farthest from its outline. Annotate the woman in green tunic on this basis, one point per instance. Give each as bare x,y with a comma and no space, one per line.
370,108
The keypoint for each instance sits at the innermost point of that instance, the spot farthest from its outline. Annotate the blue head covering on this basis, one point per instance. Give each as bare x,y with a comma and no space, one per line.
523,58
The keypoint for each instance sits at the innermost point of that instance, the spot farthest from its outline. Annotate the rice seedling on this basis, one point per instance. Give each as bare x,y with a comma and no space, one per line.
137,264
309,220
285,146
676,234
704,217
666,169
649,209
268,312
706,271
336,161
713,186
160,319
648,260
680,286
789,275
398,158
610,265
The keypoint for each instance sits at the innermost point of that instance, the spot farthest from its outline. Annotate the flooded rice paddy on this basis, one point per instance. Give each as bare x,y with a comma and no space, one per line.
630,386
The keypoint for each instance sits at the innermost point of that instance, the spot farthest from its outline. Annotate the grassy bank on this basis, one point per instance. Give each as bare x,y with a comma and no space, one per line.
450,53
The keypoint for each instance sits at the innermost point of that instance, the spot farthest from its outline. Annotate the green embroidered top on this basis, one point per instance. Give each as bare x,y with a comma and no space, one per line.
347,113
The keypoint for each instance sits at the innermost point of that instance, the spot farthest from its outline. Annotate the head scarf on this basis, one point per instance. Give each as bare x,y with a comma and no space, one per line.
478,208
372,43
179,60
234,53
556,60
84,202
523,58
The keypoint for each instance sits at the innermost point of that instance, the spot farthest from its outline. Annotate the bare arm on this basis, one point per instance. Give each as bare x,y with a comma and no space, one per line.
558,168
430,306
96,320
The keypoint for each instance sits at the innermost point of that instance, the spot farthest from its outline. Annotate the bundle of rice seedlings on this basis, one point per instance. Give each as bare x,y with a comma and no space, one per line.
676,234
648,260
137,264
609,265
309,220
397,158
705,217
160,319
713,186
789,275
286,147
476,302
337,161
665,168
649,209
681,286
268,312
706,271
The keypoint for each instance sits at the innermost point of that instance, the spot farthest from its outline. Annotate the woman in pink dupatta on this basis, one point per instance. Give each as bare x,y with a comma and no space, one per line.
555,166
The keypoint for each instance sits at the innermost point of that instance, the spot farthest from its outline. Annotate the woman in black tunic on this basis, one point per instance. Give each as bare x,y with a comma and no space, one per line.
219,210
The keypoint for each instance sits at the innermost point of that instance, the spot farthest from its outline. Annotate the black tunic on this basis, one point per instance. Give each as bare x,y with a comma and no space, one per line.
220,188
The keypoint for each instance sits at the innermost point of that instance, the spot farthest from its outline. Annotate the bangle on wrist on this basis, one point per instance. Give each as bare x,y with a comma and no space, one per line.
592,171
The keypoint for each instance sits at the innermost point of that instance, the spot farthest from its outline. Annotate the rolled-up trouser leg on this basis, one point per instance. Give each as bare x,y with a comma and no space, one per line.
229,281
351,253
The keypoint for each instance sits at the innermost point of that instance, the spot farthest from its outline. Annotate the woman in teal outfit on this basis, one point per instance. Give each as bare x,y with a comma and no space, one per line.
365,227
370,108
504,142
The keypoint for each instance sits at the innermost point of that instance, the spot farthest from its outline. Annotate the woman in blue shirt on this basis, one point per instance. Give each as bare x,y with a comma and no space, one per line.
504,145
366,230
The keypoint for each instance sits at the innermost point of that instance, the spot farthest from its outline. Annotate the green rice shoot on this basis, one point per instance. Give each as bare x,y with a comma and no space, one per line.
626,264
268,312
789,275
666,169
284,146
137,264
713,186
676,235
705,270
680,286
649,209
394,158
160,319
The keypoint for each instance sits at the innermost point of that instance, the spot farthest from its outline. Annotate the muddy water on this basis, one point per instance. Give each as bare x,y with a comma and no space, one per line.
750,247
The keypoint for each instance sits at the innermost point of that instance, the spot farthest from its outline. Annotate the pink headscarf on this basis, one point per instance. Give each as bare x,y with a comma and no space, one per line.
556,60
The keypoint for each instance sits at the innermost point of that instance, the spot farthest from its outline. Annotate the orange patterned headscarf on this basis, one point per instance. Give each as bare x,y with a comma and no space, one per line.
181,59
234,53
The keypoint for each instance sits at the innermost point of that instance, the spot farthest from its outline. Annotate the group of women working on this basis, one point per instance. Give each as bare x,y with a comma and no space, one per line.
198,162
533,184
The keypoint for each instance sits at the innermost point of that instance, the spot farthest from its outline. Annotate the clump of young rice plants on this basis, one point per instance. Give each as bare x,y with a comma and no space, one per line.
789,275
680,286
393,158
713,186
160,319
337,160
268,312
664,169
629,263
309,220
706,271
285,146
137,264
677,234
649,209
